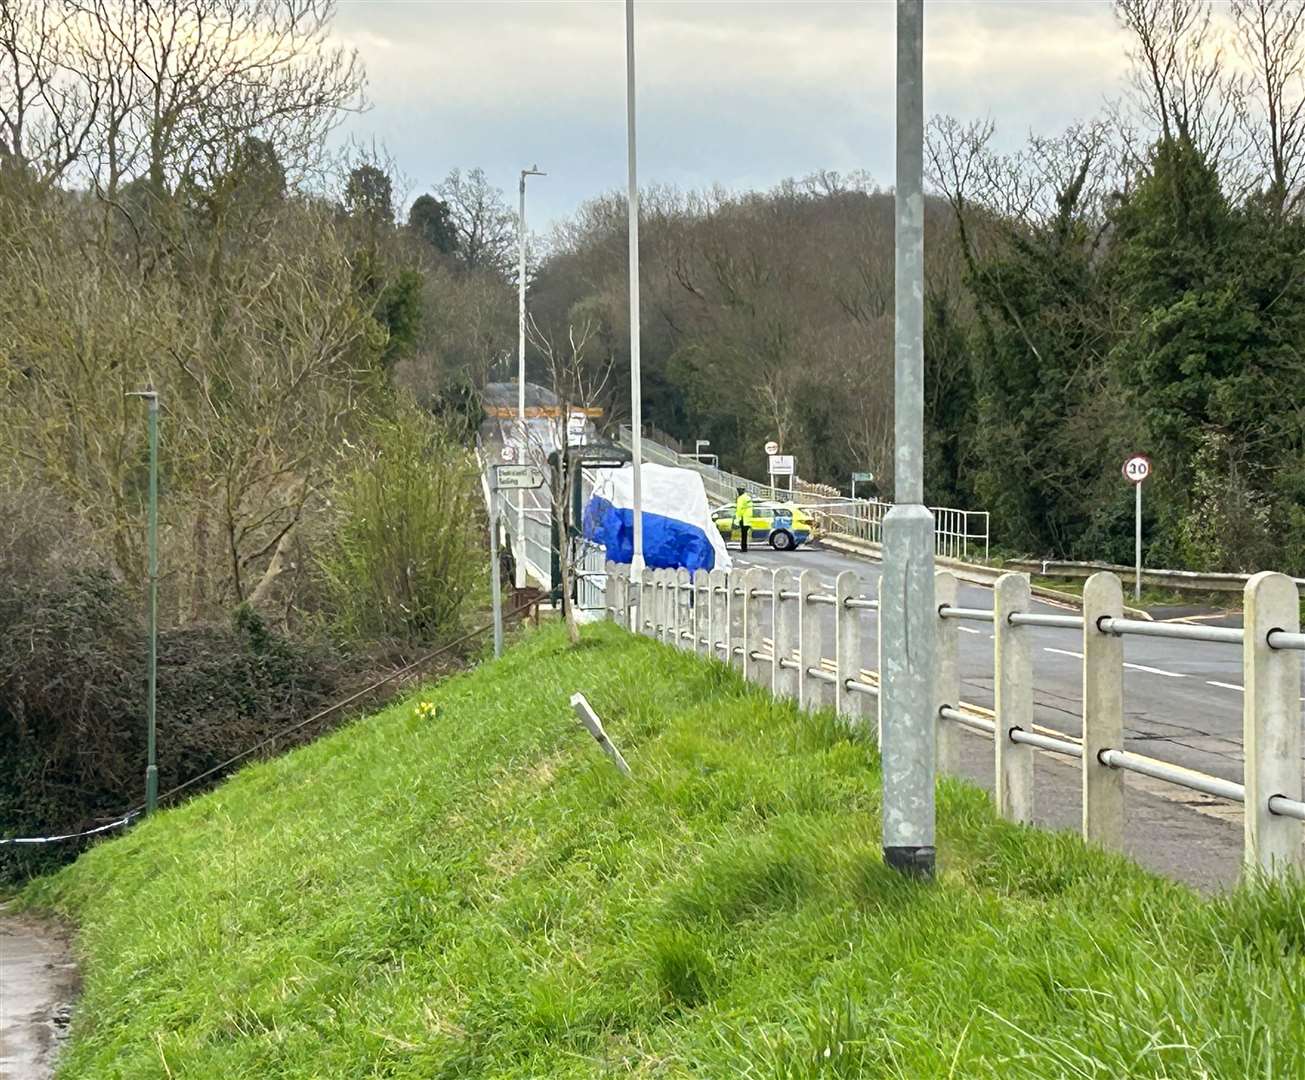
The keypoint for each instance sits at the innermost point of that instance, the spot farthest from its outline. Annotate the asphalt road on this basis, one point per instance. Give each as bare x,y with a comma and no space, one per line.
1182,700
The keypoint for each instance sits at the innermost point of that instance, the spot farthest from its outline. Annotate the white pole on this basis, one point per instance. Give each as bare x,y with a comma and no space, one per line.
521,365
495,585
1137,539
636,393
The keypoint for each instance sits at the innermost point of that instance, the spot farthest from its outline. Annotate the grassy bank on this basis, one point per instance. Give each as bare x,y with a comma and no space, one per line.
473,891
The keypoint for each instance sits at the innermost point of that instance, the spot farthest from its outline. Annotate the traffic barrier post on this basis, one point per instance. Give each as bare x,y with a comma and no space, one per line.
847,648
946,679
718,621
1013,660
1103,712
811,635
756,670
1271,724
785,633
701,613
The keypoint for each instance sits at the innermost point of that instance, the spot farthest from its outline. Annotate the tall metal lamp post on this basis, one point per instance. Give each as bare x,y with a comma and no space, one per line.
906,588
636,393
521,362
151,398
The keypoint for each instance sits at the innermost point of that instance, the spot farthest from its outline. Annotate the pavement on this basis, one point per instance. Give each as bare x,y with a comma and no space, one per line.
38,982
1182,704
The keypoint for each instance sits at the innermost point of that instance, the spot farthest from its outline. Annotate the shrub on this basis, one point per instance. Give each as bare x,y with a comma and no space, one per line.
72,703
405,558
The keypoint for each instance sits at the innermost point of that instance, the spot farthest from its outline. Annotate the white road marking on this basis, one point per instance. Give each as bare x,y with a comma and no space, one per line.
1157,671
1226,685
967,630
1064,652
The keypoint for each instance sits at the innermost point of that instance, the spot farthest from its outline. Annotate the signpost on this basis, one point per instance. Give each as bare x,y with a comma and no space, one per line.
861,478
505,478
772,447
781,465
1136,469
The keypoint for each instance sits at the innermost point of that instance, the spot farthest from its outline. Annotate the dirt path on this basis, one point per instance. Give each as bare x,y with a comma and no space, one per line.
38,982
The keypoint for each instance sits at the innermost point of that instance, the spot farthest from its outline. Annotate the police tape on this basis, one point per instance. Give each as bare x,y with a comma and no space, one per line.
125,820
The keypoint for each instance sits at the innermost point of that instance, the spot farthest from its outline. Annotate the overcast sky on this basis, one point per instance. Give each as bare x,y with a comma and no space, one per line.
742,94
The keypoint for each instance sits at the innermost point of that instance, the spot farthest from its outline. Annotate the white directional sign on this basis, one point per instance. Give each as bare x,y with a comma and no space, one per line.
1137,468
517,477
781,464
772,447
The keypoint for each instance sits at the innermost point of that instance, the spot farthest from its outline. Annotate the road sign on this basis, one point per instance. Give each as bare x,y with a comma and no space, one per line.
517,477
1137,468
577,425
508,453
772,447
781,464
863,477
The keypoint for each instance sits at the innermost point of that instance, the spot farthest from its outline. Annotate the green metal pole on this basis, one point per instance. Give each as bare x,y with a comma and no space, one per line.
151,768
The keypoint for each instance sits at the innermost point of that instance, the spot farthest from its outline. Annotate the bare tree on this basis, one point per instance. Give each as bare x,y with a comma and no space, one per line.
1183,86
48,107
1271,38
486,228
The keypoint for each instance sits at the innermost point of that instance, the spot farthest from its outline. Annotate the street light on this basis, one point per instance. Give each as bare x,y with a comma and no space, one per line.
521,364
906,591
698,444
636,395
151,398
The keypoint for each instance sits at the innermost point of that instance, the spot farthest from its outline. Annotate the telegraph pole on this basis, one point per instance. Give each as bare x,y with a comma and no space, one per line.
906,600
636,390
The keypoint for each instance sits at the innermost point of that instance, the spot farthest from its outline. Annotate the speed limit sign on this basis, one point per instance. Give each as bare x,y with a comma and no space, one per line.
772,447
1137,468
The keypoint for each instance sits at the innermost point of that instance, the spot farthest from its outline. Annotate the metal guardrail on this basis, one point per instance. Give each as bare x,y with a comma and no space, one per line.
1178,580
722,616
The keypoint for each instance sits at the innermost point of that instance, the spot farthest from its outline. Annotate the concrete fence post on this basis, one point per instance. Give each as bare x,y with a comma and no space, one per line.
812,693
847,648
946,678
1013,660
648,603
664,610
1103,713
738,621
786,633
684,620
757,671
701,613
719,622
612,594
1271,724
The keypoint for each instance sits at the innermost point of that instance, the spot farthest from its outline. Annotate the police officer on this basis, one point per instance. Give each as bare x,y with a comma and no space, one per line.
743,516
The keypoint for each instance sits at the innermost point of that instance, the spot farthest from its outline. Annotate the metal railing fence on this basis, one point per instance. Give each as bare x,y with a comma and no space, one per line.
724,615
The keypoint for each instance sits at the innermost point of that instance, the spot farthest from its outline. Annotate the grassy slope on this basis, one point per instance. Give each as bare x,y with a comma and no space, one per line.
479,894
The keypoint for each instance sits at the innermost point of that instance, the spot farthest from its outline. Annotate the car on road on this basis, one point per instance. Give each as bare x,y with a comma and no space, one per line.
782,525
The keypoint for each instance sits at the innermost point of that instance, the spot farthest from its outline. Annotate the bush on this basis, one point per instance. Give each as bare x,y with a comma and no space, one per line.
72,703
406,557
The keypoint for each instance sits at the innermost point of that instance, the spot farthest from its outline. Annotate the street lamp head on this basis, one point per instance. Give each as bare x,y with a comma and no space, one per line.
532,171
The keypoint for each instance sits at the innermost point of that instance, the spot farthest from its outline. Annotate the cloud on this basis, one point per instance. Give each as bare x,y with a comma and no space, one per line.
743,94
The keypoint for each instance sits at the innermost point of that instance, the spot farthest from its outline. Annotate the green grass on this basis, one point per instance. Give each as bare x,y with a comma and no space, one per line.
478,893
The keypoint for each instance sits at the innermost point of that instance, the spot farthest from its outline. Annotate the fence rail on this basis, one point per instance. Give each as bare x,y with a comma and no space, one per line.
724,616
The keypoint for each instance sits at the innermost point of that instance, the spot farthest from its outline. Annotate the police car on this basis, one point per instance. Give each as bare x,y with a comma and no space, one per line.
783,525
